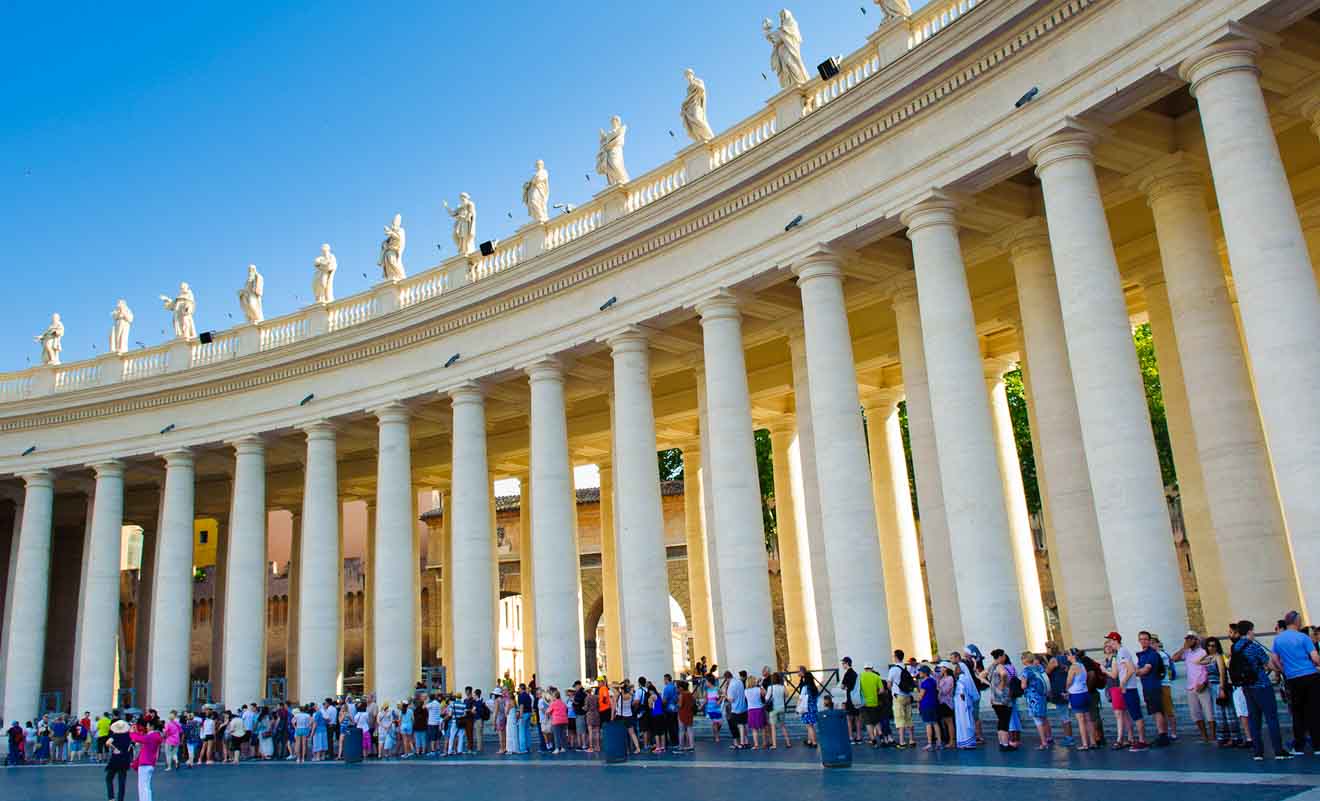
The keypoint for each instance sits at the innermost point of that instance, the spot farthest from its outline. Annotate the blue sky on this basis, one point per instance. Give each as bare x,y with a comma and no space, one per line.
180,142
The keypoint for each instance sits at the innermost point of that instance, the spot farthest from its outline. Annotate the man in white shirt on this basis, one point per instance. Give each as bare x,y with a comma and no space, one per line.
736,691
433,719
903,725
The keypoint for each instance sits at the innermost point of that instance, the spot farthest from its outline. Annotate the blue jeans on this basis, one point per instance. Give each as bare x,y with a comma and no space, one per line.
1261,703
524,732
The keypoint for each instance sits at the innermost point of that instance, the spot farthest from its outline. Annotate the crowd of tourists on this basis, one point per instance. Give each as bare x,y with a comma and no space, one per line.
1119,697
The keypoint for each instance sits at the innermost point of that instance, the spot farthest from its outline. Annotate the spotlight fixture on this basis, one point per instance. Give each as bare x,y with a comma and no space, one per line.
487,248
306,400
828,68
31,450
794,223
608,303
206,337
1028,97
167,429
452,360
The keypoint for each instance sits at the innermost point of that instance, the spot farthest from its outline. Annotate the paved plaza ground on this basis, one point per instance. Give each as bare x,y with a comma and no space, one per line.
1187,769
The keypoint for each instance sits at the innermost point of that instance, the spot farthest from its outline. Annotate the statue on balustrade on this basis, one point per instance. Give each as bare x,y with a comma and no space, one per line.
894,9
391,250
323,284
786,50
536,194
249,297
50,340
183,307
609,160
465,224
694,109
121,321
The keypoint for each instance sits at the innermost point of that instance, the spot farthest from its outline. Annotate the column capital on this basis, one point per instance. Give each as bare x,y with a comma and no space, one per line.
1075,140
937,208
248,444
110,468
548,368
783,426
391,412
1032,235
1236,51
885,398
320,430
466,392
178,457
996,367
1177,174
632,339
821,261
723,305
38,478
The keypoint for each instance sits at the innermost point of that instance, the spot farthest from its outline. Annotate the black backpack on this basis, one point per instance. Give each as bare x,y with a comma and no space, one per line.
1017,686
905,681
483,711
1240,670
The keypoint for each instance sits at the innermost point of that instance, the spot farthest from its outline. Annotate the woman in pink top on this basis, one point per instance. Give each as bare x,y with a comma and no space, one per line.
148,741
173,734
559,719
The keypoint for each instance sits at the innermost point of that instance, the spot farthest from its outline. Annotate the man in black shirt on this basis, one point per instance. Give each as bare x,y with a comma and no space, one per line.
578,738
853,710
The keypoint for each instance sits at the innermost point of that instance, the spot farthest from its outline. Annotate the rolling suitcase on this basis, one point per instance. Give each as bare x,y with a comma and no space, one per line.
832,736
615,742
352,745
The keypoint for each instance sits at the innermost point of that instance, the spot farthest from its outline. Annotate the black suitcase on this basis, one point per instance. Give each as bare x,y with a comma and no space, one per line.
832,736
615,742
352,745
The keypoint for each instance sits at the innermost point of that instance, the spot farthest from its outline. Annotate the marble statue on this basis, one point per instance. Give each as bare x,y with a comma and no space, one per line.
121,321
694,109
323,284
609,161
249,297
50,341
183,307
786,50
894,9
391,250
465,224
536,194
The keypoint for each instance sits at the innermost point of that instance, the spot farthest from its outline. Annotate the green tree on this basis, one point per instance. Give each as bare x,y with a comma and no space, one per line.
671,464
765,470
1150,375
1017,410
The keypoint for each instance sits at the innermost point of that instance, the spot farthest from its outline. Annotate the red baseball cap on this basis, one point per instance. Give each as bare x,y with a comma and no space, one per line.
1115,636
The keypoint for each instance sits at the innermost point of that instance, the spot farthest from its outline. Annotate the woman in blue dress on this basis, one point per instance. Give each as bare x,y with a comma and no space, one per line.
320,740
811,690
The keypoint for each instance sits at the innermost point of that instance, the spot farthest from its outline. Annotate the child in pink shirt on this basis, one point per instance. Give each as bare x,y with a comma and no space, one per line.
173,734
559,719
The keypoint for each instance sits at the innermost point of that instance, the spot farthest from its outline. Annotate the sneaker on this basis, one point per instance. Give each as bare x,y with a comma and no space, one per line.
1297,752
1283,756
1258,758
1139,746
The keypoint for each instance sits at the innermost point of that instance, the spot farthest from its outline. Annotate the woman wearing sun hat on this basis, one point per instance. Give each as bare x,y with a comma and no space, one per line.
120,746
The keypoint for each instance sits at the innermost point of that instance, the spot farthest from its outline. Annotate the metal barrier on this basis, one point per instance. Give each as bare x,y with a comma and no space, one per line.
277,691
49,702
126,698
433,678
199,696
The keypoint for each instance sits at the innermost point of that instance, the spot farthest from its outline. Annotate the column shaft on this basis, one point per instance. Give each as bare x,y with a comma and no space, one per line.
527,574
744,578
169,649
708,521
609,575
244,650
698,578
394,558
822,648
794,575
1133,514
555,570
26,605
319,615
475,660
643,579
856,585
964,434
98,603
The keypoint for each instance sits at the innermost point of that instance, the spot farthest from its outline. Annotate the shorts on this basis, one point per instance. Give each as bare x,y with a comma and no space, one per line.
902,711
206,738
1201,705
871,715
712,714
1154,701
1166,700
1133,700
931,715
302,732
581,724
1079,703
1117,699
1240,702
946,712
433,732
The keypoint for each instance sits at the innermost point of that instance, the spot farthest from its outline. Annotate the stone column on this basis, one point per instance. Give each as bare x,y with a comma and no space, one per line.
293,607
319,615
794,571
26,605
609,574
821,645
934,529
555,571
1133,514
909,627
98,603
703,623
643,579
169,651
526,573
1275,284
474,660
244,653
369,602
979,535
744,578
394,558
1015,504
1082,591
857,589
1228,437
447,584
708,520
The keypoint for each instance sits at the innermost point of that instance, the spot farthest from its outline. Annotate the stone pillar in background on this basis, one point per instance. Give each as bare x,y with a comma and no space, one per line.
169,651
98,602
474,660
794,571
319,599
394,558
698,575
244,654
26,605
527,574
609,574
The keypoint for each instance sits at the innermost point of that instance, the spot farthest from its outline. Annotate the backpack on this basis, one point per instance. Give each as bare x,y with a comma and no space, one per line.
1016,686
905,681
1240,670
1095,680
483,711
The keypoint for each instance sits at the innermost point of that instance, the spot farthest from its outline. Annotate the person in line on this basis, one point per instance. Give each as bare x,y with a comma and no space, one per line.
1079,701
870,687
558,713
1150,675
735,691
714,706
902,685
1200,703
776,700
148,738
852,701
928,706
173,734
1166,688
119,756
809,694
755,712
593,712
966,701
1249,666
1036,688
624,706
1056,670
1299,661
687,711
